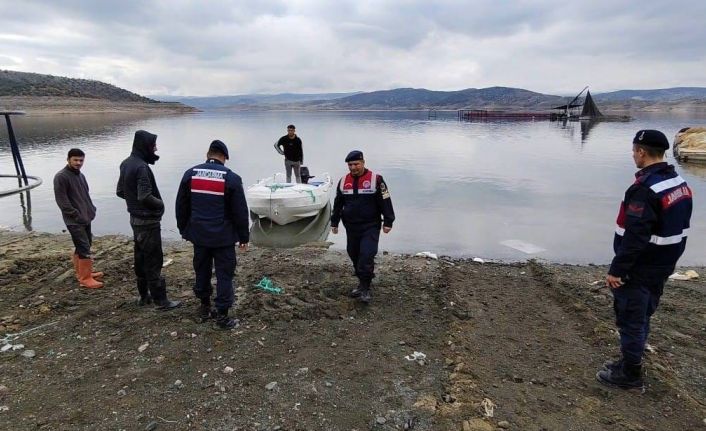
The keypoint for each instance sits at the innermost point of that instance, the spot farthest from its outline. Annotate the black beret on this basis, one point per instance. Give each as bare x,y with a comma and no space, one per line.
354,155
651,138
219,147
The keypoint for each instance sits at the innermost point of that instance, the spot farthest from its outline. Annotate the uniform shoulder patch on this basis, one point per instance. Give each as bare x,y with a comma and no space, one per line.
635,208
383,189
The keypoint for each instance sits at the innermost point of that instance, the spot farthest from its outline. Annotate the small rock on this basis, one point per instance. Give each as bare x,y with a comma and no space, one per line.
270,386
303,370
178,383
18,347
159,359
401,343
380,420
517,379
152,426
477,425
334,344
328,384
173,334
4,389
228,370
4,409
122,392
143,347
29,354
504,424
449,398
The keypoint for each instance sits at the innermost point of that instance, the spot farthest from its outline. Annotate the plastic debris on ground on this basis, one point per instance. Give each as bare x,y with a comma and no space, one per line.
427,254
522,246
269,286
416,356
478,259
488,406
687,275
167,263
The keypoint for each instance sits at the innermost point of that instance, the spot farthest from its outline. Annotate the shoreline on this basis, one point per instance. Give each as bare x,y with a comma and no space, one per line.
526,336
55,105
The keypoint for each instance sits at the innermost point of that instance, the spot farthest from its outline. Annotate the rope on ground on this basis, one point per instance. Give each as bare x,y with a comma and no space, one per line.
269,286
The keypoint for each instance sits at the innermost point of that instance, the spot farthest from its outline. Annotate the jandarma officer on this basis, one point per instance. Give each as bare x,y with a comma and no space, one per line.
212,213
651,236
363,203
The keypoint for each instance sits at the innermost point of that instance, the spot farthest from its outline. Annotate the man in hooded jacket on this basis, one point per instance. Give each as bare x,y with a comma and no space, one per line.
144,203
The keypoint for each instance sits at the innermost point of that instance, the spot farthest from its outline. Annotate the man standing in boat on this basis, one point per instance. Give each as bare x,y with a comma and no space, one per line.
212,213
651,236
363,204
78,211
290,146
144,203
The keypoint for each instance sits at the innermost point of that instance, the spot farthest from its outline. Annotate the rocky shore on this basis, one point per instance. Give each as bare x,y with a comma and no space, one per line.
50,105
499,346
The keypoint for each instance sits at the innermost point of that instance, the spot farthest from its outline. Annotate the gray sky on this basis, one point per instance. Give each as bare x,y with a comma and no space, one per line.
202,48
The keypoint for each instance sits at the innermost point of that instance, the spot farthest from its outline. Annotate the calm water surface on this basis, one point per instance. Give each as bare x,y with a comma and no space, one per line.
488,189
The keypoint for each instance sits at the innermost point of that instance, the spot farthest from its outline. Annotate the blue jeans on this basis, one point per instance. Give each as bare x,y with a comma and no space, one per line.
634,303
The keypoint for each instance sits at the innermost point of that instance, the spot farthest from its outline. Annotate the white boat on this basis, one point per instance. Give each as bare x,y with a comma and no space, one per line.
284,202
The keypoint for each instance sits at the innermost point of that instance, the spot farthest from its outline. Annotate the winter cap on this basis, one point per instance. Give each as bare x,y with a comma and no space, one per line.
219,147
652,139
354,155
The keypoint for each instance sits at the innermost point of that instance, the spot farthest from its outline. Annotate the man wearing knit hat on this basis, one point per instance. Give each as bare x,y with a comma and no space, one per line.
653,222
363,203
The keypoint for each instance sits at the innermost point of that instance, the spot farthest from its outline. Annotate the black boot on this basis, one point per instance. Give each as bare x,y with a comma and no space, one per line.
355,293
225,322
625,376
166,304
206,311
613,364
145,298
159,296
365,295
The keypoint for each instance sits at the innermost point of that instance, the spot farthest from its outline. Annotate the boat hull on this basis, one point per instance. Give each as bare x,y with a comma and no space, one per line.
284,203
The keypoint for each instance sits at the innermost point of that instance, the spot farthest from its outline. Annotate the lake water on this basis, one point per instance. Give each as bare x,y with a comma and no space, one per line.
489,189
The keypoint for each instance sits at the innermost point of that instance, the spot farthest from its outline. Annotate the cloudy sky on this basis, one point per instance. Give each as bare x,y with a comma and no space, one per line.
202,48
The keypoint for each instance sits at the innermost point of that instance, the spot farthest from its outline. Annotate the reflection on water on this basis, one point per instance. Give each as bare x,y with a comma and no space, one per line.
458,188
26,205
266,233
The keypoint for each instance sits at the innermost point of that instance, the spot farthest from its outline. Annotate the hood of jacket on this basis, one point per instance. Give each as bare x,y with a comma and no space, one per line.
143,146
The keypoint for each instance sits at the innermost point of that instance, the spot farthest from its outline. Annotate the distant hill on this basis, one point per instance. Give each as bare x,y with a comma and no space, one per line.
248,100
37,85
659,95
413,98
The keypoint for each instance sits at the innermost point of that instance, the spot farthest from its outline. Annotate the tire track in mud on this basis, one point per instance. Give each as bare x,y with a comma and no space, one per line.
531,346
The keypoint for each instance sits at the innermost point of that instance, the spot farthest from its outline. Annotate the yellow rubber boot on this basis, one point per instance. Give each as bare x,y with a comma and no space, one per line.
85,267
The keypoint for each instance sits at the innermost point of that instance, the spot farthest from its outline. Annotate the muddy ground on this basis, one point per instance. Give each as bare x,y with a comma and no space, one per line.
508,346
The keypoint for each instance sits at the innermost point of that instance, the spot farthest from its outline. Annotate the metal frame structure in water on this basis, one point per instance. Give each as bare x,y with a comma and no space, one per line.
23,180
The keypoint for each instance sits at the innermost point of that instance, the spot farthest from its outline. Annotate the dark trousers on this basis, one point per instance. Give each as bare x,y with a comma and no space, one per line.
82,239
148,261
362,246
634,303
224,260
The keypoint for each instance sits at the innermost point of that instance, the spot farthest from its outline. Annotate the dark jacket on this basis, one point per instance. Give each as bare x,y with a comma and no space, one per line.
71,194
136,183
211,210
362,201
653,224
293,150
